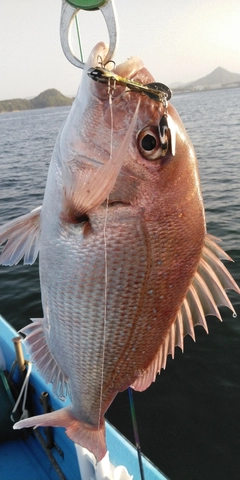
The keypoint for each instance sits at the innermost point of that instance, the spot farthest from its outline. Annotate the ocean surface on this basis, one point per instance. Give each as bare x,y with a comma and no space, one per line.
189,419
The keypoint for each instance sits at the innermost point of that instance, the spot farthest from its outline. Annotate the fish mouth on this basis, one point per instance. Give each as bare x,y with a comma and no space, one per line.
133,67
129,68
125,69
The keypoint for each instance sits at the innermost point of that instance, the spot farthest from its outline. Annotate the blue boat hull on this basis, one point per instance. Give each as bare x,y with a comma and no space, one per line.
27,459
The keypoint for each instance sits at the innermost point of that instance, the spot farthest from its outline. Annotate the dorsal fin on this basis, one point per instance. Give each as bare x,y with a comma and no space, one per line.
205,294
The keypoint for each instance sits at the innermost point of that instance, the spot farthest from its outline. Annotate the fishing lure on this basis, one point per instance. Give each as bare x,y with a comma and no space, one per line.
156,91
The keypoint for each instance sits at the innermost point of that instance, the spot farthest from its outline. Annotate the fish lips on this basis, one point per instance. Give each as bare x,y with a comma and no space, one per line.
132,69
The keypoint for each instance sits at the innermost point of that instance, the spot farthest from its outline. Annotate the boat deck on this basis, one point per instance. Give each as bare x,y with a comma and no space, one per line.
26,455
18,460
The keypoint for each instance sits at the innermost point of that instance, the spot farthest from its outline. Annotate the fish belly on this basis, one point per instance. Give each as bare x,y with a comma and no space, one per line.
109,298
92,290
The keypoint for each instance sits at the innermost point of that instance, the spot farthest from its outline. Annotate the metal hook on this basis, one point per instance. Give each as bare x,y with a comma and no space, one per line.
68,14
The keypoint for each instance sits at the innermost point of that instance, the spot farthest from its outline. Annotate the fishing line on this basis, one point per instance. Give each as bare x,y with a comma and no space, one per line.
106,267
105,307
135,431
79,38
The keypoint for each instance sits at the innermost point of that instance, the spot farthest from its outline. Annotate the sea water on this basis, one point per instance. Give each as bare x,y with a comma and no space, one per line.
189,419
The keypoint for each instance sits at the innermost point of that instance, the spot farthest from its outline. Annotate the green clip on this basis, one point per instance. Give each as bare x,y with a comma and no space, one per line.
87,4
69,11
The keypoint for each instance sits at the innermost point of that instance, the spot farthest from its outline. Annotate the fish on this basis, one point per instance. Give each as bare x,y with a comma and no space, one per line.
126,266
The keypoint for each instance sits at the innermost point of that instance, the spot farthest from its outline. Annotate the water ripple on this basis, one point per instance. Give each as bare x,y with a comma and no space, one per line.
194,405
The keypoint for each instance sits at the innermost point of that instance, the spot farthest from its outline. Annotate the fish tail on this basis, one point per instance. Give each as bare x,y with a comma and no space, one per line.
84,434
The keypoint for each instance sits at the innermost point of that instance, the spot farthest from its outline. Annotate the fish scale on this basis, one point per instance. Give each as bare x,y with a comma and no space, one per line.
87,257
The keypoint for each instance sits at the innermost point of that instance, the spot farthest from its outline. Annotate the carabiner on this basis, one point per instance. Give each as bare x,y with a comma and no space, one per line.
68,14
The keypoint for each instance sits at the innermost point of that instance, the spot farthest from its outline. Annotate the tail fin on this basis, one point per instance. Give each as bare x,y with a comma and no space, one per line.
86,435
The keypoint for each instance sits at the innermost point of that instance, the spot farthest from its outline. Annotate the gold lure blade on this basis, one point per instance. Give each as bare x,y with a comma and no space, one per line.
156,91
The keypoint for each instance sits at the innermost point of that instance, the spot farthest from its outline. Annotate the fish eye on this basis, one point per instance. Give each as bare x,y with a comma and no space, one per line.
149,144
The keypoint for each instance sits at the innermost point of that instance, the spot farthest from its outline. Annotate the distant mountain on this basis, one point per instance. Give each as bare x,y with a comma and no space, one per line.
218,76
48,98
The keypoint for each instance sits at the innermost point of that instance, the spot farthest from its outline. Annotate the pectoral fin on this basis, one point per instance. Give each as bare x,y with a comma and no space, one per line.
205,294
85,193
22,235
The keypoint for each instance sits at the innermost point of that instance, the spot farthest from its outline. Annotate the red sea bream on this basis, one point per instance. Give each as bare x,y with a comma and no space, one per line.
126,266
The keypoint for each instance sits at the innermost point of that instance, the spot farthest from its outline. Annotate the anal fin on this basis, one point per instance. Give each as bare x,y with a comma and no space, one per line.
23,234
43,359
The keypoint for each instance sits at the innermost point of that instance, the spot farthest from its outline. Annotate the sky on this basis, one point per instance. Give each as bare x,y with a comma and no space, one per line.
178,40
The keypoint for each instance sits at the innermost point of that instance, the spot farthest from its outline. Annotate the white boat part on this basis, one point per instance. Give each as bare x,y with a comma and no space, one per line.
103,470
